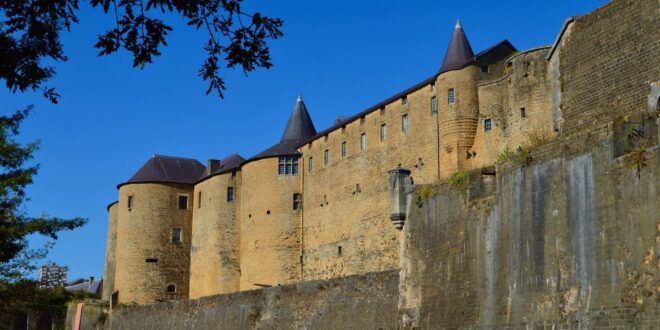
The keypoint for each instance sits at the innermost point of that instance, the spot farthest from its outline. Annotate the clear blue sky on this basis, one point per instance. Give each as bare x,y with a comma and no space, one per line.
342,56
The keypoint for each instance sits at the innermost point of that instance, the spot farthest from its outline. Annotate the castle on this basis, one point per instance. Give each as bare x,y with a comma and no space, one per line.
321,205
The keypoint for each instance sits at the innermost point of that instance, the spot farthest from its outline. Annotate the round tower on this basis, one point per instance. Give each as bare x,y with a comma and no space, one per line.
214,253
271,207
110,253
458,104
154,216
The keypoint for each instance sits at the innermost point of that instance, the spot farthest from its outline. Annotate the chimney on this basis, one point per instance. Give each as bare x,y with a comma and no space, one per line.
213,165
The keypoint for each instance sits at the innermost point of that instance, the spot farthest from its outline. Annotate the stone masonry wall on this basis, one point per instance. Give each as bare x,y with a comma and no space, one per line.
214,252
607,62
110,254
564,243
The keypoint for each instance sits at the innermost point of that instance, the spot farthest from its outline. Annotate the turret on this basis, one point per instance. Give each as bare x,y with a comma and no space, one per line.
457,102
154,215
270,220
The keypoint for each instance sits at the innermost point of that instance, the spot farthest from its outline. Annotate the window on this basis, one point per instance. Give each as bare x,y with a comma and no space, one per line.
363,141
326,157
522,113
339,250
383,132
343,130
404,100
434,105
487,125
199,199
171,288
130,202
382,111
230,194
288,165
311,165
404,123
297,201
151,260
343,149
183,202
484,68
176,235
451,96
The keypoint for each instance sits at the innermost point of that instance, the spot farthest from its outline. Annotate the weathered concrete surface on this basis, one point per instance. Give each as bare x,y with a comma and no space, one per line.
356,302
567,242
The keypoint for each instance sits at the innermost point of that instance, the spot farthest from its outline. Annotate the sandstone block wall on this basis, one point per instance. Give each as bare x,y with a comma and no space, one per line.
110,254
214,252
144,232
270,228
607,62
567,242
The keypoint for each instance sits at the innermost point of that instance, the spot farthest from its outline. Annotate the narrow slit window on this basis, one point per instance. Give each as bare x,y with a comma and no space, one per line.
151,260
326,157
343,149
130,202
297,201
230,194
199,199
451,96
383,132
311,165
363,141
522,113
434,105
404,123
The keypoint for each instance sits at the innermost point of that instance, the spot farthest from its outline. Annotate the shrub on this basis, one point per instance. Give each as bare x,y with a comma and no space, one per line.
459,180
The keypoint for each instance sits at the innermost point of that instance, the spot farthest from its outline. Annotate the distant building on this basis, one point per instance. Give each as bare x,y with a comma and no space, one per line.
52,276
90,285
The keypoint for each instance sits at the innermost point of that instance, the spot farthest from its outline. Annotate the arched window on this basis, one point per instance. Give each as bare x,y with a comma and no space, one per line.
171,288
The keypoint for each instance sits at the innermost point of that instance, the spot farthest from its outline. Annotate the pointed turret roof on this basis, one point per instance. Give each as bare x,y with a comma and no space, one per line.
167,169
459,54
298,129
300,125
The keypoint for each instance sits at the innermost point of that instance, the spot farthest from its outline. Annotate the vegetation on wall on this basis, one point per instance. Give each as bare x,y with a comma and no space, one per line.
423,193
637,160
459,180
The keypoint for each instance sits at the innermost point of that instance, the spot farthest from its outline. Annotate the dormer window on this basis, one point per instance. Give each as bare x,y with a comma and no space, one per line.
288,165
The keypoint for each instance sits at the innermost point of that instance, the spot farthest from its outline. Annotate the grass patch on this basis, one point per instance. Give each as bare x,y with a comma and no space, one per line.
505,155
423,194
459,180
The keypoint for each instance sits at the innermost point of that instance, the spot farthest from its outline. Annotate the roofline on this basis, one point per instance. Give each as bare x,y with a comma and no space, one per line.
111,204
298,153
237,168
525,52
503,42
373,108
153,181
564,27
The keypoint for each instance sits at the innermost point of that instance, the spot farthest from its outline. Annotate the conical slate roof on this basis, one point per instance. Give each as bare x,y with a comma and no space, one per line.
459,54
298,130
168,169
300,125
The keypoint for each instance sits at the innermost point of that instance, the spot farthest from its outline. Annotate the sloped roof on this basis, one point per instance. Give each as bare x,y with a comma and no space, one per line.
298,129
459,53
168,169
93,287
229,163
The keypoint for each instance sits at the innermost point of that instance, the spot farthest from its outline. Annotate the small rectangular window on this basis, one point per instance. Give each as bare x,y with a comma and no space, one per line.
383,132
230,194
363,141
451,96
343,149
404,123
130,202
326,157
151,260
311,165
176,235
297,201
522,113
183,202
199,199
434,105
487,125
484,68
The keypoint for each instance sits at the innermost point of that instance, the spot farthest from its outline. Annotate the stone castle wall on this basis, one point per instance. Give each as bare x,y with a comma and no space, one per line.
147,261
110,254
215,247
